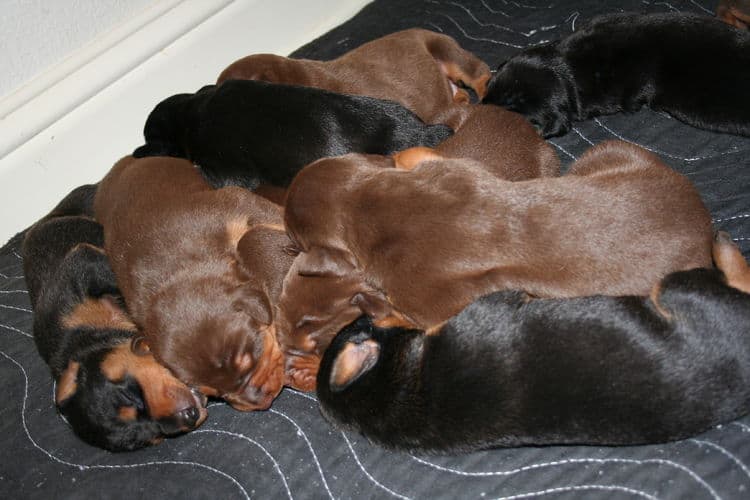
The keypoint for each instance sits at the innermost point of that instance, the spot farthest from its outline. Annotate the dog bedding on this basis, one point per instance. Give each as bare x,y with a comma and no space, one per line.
290,451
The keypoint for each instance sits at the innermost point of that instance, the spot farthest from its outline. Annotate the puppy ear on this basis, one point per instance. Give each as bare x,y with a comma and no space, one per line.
410,158
67,383
354,360
325,262
373,305
255,304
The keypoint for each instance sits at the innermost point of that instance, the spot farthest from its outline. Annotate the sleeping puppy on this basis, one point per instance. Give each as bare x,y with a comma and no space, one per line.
423,244
111,396
695,68
734,12
198,268
515,371
420,69
503,141
246,132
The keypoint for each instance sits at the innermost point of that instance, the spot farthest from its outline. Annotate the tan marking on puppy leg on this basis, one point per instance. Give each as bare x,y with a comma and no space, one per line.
67,383
457,74
730,261
101,313
394,320
435,330
410,158
654,296
80,246
460,96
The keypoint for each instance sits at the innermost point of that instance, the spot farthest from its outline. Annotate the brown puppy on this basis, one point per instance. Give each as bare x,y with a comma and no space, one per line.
503,141
734,12
425,243
417,68
190,263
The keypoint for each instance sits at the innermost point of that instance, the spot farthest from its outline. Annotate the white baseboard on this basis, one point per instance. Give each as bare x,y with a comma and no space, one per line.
69,126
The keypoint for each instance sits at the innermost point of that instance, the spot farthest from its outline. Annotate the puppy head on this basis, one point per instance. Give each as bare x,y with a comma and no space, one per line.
267,68
365,370
315,303
117,397
218,336
536,84
317,196
167,126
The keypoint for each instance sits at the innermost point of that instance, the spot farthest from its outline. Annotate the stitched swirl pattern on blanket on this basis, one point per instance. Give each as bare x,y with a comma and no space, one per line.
290,451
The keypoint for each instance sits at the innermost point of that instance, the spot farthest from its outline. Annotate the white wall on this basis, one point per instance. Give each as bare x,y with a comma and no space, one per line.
38,33
88,110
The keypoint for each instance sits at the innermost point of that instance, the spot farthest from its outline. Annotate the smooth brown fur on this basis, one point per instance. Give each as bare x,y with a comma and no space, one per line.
198,270
503,141
428,241
417,68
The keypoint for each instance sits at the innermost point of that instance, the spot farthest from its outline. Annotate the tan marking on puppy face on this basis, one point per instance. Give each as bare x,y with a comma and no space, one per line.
267,378
127,413
410,158
102,314
164,394
67,383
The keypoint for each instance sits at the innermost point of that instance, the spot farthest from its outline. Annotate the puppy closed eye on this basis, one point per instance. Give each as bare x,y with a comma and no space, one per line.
132,397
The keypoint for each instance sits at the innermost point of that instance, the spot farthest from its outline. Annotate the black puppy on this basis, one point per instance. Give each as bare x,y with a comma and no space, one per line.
111,396
693,67
247,133
510,370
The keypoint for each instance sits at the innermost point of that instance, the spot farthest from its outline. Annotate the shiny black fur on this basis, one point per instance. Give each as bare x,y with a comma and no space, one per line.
695,68
595,370
246,132
59,276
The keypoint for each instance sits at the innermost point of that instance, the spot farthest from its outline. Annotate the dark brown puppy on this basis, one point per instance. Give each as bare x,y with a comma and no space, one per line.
734,12
503,141
111,396
509,371
178,248
417,68
425,243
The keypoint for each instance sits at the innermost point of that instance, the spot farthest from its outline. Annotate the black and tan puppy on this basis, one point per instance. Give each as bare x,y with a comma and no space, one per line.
695,68
510,371
112,397
248,133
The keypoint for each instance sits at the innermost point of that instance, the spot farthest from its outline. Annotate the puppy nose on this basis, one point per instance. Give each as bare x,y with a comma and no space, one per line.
188,417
